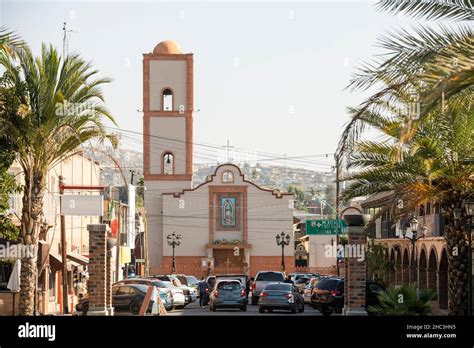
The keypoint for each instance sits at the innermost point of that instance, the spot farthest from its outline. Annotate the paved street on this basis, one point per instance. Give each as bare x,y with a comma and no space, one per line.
193,309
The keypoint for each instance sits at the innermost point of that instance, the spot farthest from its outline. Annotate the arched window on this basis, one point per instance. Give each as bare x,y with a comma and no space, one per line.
227,176
167,100
168,163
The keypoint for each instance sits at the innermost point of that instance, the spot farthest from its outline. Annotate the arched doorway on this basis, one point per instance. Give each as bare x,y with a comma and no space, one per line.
422,265
432,271
406,267
392,274
398,268
443,280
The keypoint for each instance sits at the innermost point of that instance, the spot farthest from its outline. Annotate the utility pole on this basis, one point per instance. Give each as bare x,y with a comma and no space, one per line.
119,232
64,308
337,206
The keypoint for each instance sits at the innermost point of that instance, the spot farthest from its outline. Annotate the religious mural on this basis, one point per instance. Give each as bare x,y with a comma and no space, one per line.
228,212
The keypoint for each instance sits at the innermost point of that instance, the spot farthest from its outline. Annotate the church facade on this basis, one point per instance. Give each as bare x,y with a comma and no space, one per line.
227,223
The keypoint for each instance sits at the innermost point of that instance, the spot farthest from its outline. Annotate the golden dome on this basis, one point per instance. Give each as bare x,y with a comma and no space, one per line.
167,47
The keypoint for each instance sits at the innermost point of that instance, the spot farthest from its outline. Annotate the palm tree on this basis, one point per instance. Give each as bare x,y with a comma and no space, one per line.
403,300
423,112
9,42
60,108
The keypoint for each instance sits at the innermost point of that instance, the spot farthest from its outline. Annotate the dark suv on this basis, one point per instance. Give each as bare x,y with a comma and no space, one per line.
328,294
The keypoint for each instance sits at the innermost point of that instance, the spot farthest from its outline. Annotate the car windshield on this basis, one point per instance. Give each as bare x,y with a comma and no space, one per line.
301,280
270,277
228,286
159,284
284,287
192,280
327,284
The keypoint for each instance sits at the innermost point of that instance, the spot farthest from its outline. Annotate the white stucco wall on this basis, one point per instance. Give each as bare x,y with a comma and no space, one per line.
154,207
171,74
189,216
317,251
169,134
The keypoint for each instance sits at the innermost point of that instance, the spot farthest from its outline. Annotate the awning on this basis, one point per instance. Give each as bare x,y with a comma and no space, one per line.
78,258
56,262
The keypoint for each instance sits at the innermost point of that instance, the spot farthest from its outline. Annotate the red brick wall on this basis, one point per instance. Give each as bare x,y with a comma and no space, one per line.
270,263
191,265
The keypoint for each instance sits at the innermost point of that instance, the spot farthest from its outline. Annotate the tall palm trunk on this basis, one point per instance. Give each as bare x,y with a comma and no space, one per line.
30,215
456,244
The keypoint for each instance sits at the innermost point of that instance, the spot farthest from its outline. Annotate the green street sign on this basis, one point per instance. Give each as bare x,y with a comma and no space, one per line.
336,226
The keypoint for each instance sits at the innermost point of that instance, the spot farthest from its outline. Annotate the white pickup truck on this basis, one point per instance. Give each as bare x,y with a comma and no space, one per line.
262,279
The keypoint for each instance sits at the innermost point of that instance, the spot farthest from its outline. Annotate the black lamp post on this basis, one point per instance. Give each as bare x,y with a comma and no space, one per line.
174,240
283,240
414,229
469,205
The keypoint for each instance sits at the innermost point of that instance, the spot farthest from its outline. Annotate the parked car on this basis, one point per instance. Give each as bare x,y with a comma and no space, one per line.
150,282
228,293
167,299
301,282
328,294
262,279
308,289
179,299
280,296
190,293
124,296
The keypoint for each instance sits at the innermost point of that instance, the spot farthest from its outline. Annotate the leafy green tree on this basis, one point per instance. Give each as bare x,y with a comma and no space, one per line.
140,201
423,115
378,264
61,107
403,300
9,42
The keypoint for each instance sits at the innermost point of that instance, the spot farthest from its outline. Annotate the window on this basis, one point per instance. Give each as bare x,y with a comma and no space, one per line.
270,277
227,176
167,100
168,163
229,286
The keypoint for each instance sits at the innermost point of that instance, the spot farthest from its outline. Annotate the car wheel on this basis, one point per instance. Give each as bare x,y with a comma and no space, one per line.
254,300
134,307
326,312
261,310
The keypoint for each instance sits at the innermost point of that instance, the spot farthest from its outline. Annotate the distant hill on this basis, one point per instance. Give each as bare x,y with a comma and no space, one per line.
267,176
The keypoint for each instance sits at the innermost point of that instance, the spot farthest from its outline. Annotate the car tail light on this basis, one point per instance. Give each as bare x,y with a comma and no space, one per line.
335,293
263,294
216,293
289,297
242,292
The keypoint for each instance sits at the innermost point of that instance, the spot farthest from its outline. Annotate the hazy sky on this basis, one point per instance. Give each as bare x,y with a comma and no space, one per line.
269,76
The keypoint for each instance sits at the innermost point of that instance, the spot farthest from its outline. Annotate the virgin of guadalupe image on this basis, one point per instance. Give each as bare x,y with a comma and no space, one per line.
228,210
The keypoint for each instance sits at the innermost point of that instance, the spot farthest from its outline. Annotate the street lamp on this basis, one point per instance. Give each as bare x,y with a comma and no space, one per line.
414,230
174,240
469,206
283,240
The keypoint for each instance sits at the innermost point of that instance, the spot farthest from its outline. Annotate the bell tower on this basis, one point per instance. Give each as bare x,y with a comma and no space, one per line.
167,133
